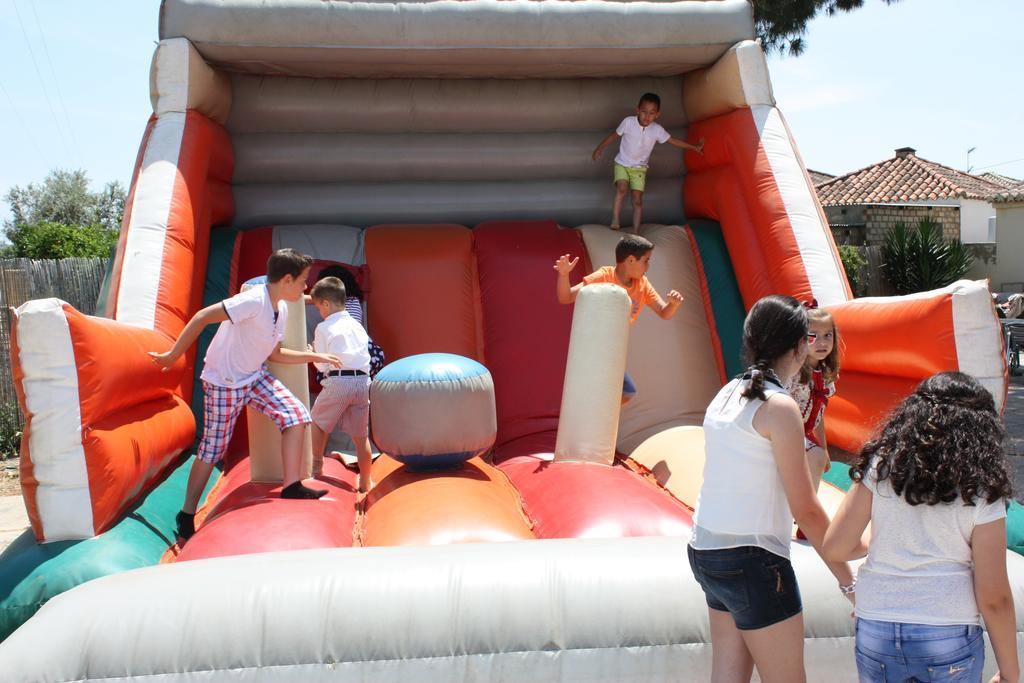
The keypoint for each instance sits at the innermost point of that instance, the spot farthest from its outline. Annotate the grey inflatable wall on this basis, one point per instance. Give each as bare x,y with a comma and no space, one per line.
364,113
460,38
372,151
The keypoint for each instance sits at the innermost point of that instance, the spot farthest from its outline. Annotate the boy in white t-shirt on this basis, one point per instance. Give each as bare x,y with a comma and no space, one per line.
345,398
252,326
639,135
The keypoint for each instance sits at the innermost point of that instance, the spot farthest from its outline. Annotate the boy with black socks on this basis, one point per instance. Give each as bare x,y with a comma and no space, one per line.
252,326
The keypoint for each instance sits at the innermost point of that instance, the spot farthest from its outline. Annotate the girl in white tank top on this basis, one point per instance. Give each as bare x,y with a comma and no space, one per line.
756,480
747,510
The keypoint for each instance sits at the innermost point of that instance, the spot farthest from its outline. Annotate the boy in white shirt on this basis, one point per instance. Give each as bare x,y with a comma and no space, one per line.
639,135
345,397
252,326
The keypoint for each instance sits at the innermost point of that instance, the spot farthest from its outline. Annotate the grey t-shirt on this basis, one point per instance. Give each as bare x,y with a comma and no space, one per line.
919,568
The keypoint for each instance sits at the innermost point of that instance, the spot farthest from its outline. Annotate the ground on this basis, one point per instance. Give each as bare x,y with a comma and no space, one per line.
1014,417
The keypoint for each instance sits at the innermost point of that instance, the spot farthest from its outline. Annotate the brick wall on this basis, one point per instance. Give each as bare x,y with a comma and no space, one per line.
880,218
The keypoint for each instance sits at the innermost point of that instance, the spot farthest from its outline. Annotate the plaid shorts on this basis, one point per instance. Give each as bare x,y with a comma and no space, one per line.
223,405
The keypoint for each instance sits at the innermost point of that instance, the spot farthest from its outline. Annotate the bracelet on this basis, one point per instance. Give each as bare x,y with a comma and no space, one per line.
850,589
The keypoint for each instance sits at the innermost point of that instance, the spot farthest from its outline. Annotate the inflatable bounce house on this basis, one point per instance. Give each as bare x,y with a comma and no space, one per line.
519,528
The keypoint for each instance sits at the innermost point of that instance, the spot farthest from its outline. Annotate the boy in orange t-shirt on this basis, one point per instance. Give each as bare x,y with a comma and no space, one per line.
632,258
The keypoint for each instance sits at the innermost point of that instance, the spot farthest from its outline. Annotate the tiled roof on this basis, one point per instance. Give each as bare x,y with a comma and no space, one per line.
905,178
1006,181
1009,196
1014,188
817,177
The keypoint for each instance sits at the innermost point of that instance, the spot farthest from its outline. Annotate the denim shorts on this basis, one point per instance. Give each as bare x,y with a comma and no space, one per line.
758,588
888,651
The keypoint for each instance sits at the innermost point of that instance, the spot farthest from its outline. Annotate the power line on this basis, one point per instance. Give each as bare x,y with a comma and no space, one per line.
39,76
56,84
1001,163
21,122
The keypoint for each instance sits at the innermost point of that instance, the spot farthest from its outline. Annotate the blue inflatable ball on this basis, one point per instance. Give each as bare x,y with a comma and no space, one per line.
433,410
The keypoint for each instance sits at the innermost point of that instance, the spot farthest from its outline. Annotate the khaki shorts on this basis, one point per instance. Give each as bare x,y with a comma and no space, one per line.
344,402
637,177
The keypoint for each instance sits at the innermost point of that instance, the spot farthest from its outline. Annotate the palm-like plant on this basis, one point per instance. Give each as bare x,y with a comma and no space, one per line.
920,258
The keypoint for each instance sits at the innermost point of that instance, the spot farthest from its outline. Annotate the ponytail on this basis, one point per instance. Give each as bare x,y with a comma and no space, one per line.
756,373
775,326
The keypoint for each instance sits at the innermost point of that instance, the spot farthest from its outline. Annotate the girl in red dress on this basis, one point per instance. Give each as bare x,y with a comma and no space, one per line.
815,384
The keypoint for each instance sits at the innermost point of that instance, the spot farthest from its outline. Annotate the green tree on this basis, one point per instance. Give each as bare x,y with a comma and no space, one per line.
781,24
61,218
64,197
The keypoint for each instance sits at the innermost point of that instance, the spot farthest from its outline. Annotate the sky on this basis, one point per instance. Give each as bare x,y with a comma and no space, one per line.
941,76
74,87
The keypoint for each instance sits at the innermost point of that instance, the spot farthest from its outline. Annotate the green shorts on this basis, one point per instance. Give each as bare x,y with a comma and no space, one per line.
637,177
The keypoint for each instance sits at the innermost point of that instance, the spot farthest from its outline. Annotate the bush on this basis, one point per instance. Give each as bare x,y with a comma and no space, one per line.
10,432
920,259
48,240
855,266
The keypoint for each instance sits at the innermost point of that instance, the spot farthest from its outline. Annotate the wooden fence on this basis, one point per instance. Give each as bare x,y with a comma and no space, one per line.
77,281
877,285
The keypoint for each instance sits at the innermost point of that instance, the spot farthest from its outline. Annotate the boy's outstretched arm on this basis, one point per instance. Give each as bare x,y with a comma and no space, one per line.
292,357
565,292
207,316
683,144
604,143
667,309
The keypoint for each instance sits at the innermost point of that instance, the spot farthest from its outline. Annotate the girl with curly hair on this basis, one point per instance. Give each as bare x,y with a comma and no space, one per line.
756,482
934,485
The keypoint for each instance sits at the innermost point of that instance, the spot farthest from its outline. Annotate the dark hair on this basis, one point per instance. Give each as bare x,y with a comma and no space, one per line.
830,364
346,277
650,97
632,245
774,326
286,262
943,441
329,289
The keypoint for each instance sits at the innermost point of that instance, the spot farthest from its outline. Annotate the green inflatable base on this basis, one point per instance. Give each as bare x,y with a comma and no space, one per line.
724,290
32,573
839,476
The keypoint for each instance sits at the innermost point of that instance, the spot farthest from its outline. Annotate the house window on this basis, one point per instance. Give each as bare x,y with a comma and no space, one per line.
992,229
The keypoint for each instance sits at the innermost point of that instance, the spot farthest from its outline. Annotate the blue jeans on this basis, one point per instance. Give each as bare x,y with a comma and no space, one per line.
628,388
903,653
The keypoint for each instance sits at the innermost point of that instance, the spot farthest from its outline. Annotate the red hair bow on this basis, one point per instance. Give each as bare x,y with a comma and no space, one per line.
813,303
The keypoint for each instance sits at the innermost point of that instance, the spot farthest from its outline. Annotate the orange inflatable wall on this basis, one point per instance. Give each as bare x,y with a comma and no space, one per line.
424,294
733,183
152,422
